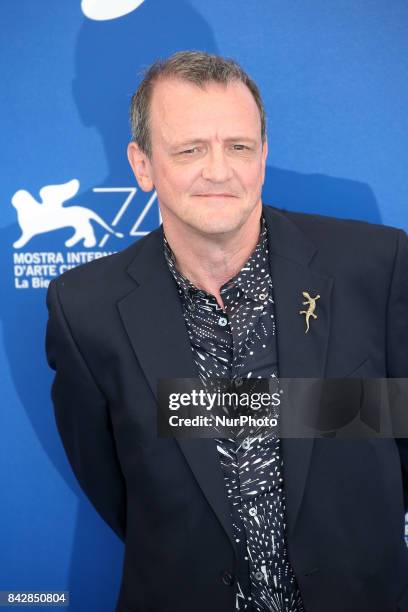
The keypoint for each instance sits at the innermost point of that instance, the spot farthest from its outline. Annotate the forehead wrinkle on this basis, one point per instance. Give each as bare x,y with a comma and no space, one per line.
197,140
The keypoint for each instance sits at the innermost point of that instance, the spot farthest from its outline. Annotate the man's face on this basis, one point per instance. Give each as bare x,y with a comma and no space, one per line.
208,161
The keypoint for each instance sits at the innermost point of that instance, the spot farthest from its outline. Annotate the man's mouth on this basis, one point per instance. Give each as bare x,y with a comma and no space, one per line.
214,195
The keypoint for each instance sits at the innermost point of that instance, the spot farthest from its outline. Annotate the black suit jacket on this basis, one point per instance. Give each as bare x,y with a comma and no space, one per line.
116,327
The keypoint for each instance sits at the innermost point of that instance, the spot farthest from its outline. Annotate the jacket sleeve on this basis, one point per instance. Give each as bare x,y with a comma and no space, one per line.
83,421
397,342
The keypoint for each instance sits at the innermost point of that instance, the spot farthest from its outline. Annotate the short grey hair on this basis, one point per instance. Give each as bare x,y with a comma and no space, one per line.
195,67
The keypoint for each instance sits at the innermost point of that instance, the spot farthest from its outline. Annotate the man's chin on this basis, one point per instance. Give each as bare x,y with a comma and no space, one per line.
218,225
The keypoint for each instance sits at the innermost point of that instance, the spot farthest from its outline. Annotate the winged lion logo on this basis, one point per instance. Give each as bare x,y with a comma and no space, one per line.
50,214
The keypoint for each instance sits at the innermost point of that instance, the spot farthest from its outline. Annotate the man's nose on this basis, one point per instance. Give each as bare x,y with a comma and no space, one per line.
217,167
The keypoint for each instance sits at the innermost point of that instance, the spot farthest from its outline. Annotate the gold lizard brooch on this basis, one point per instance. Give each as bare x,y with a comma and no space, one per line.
310,312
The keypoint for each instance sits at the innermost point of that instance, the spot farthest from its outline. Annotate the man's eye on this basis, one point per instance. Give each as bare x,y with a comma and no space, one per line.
189,151
240,147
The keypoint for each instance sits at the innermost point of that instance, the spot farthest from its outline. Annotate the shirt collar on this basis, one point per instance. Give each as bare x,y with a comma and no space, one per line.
253,278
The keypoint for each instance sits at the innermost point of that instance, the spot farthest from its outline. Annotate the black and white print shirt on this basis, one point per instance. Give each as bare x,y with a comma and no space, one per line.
235,343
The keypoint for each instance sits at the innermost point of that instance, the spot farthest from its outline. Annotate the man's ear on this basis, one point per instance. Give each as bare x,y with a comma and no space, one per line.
141,166
264,156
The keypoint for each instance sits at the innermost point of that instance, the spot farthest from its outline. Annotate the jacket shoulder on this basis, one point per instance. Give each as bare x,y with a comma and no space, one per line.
350,237
315,224
107,270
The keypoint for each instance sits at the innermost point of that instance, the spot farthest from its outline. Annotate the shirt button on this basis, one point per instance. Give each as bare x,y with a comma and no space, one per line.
246,444
262,296
227,578
259,575
238,381
253,511
222,321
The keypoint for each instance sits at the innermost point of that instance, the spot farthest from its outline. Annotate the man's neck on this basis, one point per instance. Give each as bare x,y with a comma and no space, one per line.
210,262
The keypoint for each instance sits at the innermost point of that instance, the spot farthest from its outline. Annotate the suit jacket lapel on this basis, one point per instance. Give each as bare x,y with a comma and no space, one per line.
153,318
300,355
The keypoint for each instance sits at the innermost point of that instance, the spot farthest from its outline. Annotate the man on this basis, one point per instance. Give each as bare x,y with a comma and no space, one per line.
257,524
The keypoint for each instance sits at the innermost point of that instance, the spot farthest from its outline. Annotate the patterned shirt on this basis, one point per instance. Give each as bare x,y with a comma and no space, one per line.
235,343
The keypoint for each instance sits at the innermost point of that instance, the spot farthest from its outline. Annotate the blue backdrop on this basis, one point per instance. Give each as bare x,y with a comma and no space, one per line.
333,77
